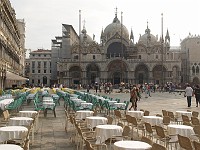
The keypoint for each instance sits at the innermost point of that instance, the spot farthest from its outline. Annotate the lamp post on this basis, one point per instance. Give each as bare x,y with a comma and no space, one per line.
4,77
122,52
162,53
79,56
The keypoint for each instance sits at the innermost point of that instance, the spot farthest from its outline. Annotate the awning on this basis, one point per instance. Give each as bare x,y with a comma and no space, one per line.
12,76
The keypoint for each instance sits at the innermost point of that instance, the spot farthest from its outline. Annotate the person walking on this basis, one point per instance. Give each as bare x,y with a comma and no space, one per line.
96,86
189,94
88,88
197,95
133,99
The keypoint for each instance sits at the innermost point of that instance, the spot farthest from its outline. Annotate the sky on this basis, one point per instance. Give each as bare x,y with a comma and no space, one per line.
44,18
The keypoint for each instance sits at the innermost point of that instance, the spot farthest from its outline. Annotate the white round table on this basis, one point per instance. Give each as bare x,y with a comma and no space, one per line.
120,105
20,121
82,114
28,113
107,131
12,132
47,100
180,113
10,147
86,105
48,105
153,120
78,101
131,145
111,103
138,114
5,102
96,120
180,129
31,114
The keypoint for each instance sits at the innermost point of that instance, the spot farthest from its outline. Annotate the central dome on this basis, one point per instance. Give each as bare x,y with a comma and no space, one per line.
116,27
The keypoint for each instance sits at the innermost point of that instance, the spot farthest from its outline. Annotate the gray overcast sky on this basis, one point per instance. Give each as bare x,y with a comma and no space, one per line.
44,18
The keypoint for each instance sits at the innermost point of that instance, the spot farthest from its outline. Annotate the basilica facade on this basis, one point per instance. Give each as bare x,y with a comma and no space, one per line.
78,59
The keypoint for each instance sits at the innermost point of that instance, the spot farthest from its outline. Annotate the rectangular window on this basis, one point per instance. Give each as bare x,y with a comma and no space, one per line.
45,64
38,71
39,64
33,71
38,81
32,81
45,71
33,64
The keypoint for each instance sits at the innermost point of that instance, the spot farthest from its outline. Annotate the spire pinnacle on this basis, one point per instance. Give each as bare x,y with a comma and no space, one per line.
147,30
84,24
116,12
84,29
116,20
131,36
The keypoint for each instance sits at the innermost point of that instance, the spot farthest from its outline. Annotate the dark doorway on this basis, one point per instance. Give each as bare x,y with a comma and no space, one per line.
44,80
93,77
116,78
141,78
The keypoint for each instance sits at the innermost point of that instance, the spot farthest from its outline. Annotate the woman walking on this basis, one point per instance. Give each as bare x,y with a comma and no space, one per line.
133,99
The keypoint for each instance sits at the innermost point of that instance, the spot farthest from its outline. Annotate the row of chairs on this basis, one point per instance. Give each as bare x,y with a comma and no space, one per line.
175,118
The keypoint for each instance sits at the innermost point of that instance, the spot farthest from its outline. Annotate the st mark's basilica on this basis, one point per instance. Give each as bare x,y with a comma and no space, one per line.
118,58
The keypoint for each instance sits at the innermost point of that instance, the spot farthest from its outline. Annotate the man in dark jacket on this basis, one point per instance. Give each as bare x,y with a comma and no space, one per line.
197,95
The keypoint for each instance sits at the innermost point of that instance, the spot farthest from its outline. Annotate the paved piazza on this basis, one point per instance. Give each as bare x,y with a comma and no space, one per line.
52,136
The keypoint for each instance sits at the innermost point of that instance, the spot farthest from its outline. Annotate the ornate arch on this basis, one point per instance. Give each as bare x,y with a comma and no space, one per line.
159,73
75,74
193,69
116,49
92,73
141,74
197,69
117,71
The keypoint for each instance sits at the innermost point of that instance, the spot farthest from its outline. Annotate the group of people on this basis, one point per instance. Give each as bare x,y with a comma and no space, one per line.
189,92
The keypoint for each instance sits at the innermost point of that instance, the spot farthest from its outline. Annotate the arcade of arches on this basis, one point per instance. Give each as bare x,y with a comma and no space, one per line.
117,71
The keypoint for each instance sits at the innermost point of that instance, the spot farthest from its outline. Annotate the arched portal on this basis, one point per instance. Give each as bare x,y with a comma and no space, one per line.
159,74
75,75
117,72
141,74
92,73
116,49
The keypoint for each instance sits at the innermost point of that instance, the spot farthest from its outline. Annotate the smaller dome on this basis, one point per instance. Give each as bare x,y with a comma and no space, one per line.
147,37
84,37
